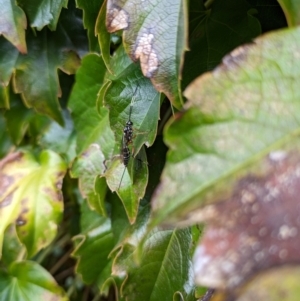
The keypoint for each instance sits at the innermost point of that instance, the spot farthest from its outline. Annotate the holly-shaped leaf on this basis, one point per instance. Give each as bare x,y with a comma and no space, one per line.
13,24
31,197
26,280
43,13
236,114
159,48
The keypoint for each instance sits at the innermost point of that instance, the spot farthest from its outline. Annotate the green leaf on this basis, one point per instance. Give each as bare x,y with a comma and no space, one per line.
8,58
61,140
235,116
88,166
129,90
36,73
13,24
5,141
97,200
90,12
155,34
26,280
94,245
165,268
31,197
42,13
291,10
209,34
103,36
129,182
149,273
128,95
91,126
41,90
17,118
95,141
13,249
4,97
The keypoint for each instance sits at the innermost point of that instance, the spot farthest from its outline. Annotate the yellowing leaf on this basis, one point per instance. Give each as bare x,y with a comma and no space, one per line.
31,197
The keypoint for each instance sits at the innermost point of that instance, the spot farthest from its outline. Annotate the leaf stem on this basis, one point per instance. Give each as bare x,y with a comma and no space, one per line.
164,120
59,243
60,262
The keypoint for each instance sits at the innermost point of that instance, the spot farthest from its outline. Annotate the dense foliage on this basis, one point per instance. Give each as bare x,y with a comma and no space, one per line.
115,184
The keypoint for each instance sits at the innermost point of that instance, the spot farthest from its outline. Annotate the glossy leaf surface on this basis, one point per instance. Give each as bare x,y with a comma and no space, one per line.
164,270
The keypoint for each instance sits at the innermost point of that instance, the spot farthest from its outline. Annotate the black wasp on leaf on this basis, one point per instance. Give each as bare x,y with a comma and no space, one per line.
127,138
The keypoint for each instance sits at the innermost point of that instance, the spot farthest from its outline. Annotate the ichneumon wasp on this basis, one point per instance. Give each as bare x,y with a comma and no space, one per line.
127,138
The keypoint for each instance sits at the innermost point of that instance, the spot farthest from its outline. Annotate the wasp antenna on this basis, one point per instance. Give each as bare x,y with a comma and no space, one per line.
122,178
133,95
130,110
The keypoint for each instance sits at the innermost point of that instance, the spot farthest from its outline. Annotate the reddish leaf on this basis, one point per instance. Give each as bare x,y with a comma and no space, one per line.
255,228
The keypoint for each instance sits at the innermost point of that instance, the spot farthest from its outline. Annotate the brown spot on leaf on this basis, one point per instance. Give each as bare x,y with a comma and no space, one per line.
54,195
10,158
5,179
20,222
145,51
254,229
22,218
116,18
